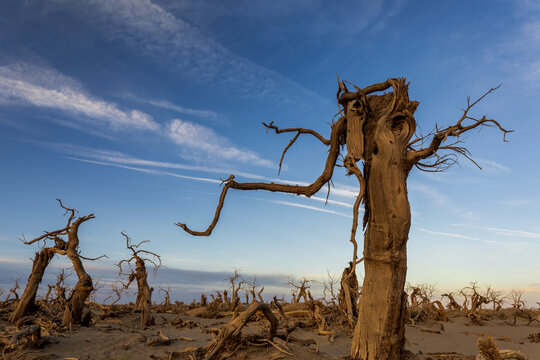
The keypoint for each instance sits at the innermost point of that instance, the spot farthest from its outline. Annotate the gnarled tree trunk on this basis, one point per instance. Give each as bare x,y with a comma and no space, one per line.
75,303
25,305
380,329
144,294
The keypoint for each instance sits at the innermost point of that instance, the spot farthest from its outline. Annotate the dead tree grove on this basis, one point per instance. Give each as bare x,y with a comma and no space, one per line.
75,303
143,303
377,132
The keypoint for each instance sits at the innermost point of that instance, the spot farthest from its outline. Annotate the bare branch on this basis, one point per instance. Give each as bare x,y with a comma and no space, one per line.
308,190
440,136
350,164
348,96
298,130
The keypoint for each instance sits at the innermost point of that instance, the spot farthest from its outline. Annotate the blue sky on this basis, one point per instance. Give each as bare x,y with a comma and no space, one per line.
134,110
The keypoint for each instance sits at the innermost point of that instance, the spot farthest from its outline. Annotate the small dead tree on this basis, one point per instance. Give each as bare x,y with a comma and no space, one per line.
329,289
13,291
301,289
236,286
452,303
517,302
140,274
75,303
379,132
349,294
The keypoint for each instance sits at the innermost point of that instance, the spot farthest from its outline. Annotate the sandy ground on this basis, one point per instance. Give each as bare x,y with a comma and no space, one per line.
120,338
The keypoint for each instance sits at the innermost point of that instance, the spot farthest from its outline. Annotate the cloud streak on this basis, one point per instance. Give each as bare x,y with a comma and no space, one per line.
155,33
148,171
45,88
202,139
308,207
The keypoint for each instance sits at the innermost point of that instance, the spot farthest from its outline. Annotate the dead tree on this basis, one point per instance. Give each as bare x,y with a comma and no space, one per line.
144,291
13,291
75,305
236,286
378,131
349,294
301,289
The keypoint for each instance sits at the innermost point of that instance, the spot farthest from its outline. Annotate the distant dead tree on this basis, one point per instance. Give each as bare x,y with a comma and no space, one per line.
378,131
300,289
140,274
13,291
236,285
74,305
517,302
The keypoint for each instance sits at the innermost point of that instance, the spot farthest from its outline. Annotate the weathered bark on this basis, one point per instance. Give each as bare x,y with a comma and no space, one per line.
349,294
144,293
75,303
234,328
380,328
26,304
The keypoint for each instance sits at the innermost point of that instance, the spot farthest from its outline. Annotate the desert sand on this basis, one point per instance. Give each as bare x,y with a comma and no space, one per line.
114,333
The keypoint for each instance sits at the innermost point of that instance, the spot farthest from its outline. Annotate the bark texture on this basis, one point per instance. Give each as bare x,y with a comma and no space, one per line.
143,302
75,303
26,303
380,329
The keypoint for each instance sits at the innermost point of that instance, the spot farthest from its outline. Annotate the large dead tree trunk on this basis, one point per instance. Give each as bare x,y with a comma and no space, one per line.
380,329
26,304
377,131
144,293
75,303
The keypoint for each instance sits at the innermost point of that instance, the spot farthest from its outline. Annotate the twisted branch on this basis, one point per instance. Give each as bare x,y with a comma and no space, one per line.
308,190
441,163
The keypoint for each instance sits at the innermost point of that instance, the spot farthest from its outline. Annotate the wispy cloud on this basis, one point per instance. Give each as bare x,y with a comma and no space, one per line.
509,245
22,83
165,104
122,160
518,233
333,202
25,84
125,159
491,165
148,171
429,192
204,141
449,234
504,232
156,33
309,207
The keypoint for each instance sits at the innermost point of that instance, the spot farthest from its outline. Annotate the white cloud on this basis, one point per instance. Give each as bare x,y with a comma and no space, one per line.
46,88
450,234
203,139
491,165
165,104
149,171
519,233
303,206
429,192
156,33
333,202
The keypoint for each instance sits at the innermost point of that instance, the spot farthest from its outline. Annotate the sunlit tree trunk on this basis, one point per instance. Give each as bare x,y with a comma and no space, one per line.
26,303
